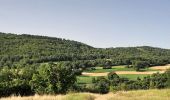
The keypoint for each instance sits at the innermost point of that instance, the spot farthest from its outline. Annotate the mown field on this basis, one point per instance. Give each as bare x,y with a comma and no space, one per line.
87,79
117,68
121,95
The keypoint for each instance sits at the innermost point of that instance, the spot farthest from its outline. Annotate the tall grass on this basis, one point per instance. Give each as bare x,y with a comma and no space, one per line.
122,95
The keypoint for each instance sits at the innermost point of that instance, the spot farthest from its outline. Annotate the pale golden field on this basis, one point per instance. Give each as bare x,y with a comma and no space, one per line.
161,69
122,73
122,95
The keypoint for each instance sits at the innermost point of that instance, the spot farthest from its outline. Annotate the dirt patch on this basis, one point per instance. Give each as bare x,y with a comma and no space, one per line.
134,72
122,73
95,74
161,68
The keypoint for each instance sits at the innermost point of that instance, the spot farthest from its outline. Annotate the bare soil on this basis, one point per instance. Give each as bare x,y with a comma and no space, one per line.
122,73
162,68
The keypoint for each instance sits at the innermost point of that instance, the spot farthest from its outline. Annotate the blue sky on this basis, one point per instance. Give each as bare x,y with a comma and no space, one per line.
99,23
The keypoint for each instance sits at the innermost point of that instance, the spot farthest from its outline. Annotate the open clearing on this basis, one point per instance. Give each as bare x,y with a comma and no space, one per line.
122,73
88,79
121,95
151,70
163,68
117,68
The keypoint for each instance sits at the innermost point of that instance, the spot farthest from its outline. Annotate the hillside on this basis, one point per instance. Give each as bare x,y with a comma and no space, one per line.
31,48
36,46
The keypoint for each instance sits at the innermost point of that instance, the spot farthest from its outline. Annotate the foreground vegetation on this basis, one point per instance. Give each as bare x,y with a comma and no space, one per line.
121,95
62,77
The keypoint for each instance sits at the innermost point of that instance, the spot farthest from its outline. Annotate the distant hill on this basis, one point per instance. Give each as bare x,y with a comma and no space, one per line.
44,49
12,44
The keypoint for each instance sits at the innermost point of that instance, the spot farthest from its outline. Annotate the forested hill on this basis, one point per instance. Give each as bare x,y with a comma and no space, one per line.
31,48
12,44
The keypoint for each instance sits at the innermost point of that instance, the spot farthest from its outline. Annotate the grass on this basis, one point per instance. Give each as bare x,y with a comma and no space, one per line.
133,76
143,95
78,96
84,79
115,68
121,95
88,79
70,96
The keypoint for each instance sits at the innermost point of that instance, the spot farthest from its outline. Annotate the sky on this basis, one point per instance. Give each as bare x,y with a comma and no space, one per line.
99,23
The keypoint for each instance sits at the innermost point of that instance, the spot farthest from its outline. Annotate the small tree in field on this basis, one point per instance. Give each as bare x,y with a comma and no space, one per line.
102,85
114,79
140,65
112,75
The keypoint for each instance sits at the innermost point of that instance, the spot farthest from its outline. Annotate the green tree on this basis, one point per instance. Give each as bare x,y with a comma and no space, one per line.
53,78
140,65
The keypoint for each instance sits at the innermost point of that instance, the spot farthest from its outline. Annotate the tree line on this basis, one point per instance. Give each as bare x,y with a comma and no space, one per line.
29,49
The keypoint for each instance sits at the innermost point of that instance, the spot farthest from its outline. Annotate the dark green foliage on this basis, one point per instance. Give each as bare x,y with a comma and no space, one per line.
115,80
167,73
53,79
155,81
45,79
107,65
15,81
100,85
17,87
112,75
158,81
140,65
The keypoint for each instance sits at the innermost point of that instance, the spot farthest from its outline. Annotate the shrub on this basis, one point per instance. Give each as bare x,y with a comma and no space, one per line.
168,77
102,85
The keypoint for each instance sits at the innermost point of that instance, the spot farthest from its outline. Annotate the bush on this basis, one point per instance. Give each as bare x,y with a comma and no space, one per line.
158,81
168,77
102,85
112,75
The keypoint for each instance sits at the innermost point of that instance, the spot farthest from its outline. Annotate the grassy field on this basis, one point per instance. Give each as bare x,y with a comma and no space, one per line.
133,76
88,79
84,79
121,95
116,68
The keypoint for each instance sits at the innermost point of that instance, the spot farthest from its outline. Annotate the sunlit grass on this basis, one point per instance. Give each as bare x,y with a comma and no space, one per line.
121,95
116,68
